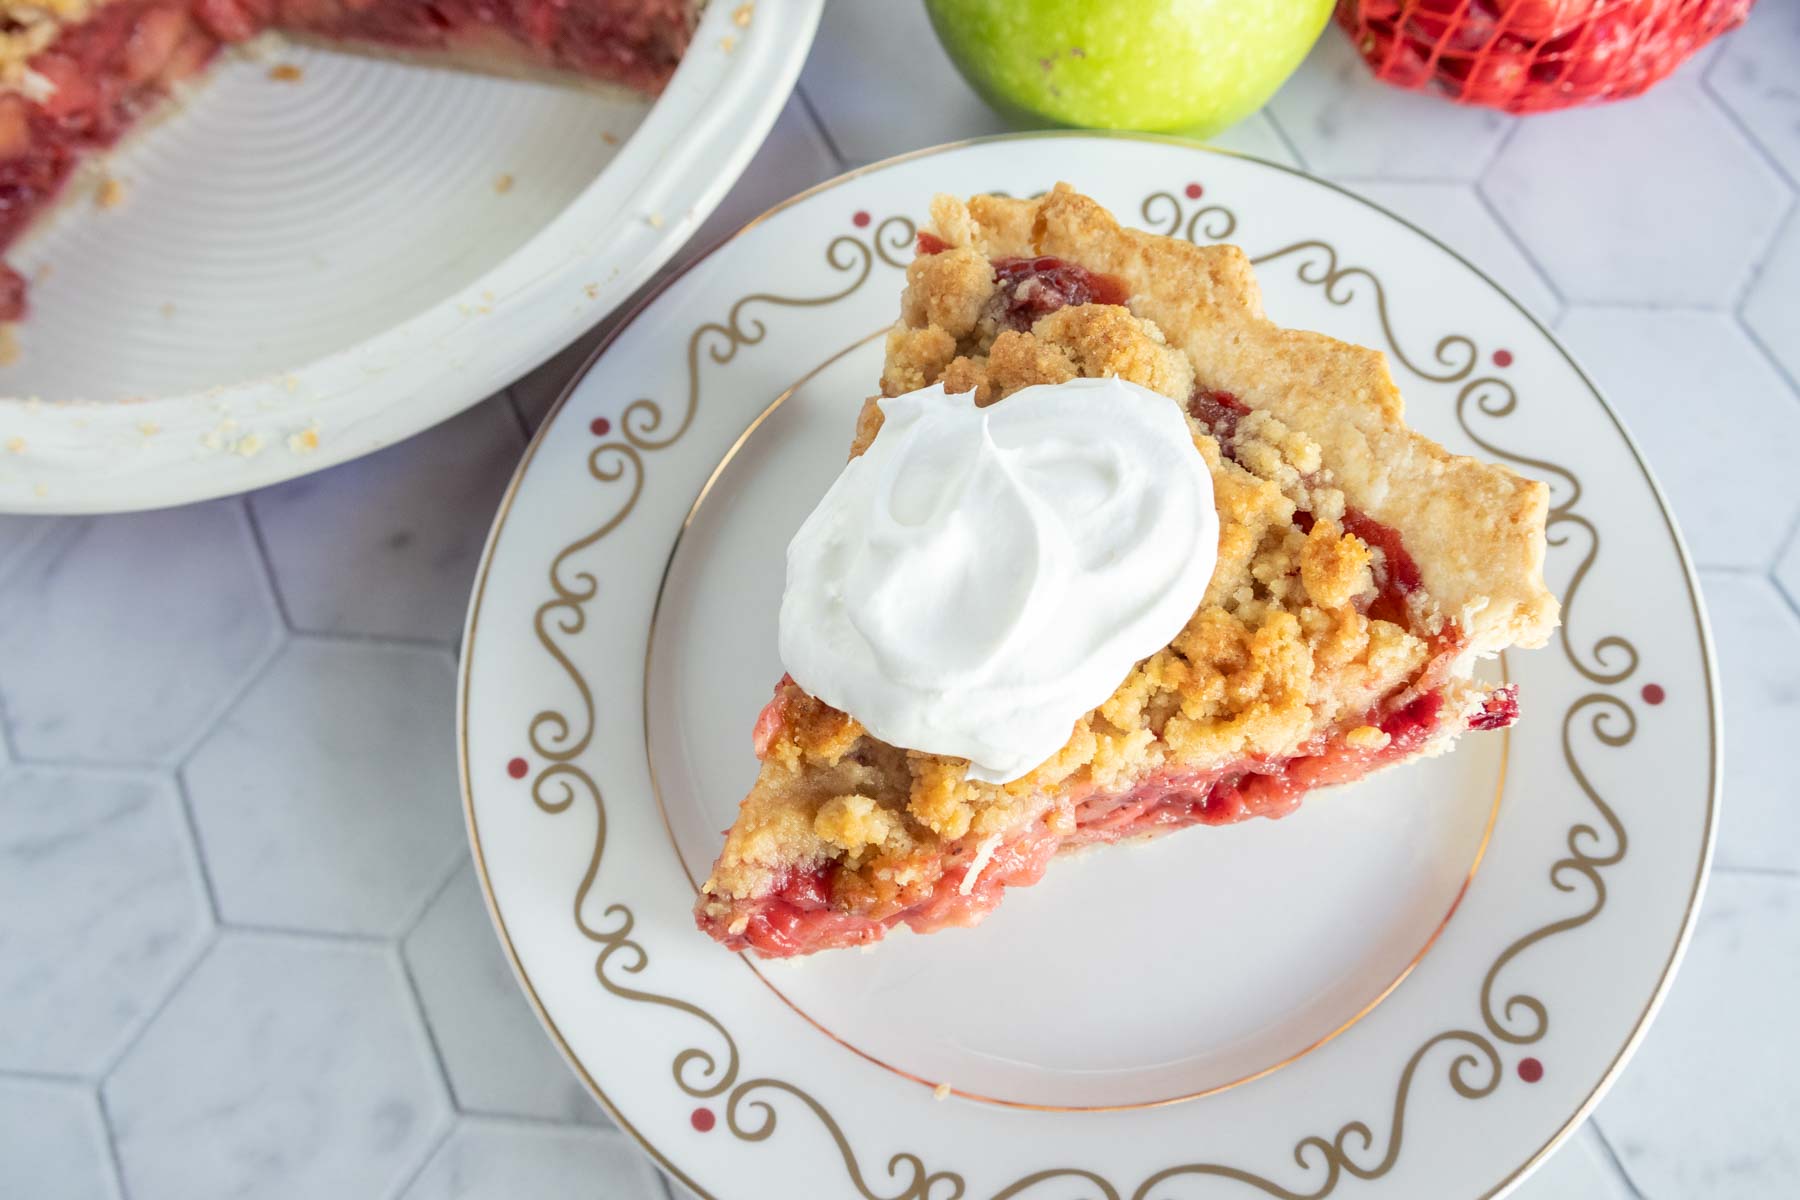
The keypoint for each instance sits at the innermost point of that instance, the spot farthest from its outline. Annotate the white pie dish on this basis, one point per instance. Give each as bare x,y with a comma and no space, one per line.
304,272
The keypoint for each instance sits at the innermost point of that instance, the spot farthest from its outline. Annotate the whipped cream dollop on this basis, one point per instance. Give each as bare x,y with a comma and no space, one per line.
979,578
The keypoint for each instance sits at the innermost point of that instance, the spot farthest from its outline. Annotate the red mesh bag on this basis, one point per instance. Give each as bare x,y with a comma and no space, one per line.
1533,55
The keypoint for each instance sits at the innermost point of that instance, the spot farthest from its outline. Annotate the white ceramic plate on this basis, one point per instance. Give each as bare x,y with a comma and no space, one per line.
1282,1009
335,261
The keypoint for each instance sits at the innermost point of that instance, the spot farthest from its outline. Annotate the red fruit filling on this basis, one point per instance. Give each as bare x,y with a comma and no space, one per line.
1499,710
1396,574
103,74
826,908
1033,287
635,43
1220,412
931,243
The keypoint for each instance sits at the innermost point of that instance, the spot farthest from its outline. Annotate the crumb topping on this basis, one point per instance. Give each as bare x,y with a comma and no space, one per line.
1280,648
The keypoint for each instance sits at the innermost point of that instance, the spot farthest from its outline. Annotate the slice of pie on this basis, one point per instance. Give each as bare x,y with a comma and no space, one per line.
1362,570
76,75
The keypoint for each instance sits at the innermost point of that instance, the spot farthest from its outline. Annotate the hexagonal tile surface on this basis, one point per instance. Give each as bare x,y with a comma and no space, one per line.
1727,474
1772,306
534,394
1580,1169
1455,215
387,545
495,1052
874,110
101,910
18,534
1256,135
327,798
1726,1032
486,1158
1690,204
121,637
1346,123
52,1143
1753,75
283,1067
1758,640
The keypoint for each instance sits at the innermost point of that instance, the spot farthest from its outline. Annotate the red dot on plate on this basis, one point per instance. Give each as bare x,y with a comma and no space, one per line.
517,768
1654,694
702,1119
860,219
600,426
1530,1070
1503,358
1194,191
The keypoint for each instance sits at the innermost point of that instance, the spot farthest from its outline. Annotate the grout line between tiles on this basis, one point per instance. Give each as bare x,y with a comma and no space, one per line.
116,770
259,667
812,114
9,753
156,1010
431,898
512,402
1719,103
1531,258
377,640
1355,177
1789,541
1768,353
1758,872
234,696
1789,226
1733,570
372,941
1612,1156
266,561
431,1038
198,848
430,1155
112,1146
32,1075
1281,135
608,1132
1505,140
1752,273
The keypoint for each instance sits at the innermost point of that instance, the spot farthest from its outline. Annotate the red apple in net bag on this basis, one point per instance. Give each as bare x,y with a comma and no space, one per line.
1533,55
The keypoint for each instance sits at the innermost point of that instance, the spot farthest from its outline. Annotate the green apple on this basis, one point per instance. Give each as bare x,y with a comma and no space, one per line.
1190,65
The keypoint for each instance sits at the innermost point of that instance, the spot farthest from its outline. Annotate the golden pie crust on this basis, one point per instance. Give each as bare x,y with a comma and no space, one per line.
1282,652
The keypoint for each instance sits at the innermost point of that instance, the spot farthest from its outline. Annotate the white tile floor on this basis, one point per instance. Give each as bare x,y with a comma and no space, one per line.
254,923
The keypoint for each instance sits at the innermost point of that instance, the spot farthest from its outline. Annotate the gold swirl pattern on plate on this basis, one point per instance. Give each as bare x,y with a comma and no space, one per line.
1473,1072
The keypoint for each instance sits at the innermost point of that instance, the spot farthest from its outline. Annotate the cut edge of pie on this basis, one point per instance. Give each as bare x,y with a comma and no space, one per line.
76,76
1362,571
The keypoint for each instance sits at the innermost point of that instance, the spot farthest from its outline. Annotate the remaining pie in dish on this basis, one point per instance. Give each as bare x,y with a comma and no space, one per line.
76,75
1362,570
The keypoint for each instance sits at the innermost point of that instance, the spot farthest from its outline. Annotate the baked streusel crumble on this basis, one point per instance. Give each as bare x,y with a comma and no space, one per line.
1361,570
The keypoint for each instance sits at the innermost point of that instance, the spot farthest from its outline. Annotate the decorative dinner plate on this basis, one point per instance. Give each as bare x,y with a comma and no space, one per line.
1412,987
302,272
